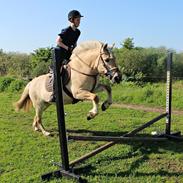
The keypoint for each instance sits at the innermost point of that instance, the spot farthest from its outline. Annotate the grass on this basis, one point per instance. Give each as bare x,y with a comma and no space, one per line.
26,155
149,94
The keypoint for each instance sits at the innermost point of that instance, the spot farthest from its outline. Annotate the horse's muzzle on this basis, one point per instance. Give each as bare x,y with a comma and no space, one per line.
117,79
114,77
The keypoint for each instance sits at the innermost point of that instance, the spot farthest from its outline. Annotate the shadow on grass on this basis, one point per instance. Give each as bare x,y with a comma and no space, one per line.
132,171
142,149
54,132
97,133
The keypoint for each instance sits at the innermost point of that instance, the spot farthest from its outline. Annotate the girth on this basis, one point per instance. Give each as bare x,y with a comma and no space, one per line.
66,76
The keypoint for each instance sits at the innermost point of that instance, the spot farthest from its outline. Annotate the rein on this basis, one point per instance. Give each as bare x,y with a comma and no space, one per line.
92,75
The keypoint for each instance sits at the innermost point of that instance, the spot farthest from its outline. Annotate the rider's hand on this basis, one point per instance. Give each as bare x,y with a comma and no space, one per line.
70,49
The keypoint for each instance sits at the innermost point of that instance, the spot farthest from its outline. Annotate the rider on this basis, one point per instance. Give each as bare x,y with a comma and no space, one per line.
67,39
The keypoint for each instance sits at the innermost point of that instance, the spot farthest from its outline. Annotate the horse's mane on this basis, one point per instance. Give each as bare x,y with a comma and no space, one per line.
87,45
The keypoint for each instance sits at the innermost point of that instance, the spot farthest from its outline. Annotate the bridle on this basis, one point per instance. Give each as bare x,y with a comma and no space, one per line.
109,70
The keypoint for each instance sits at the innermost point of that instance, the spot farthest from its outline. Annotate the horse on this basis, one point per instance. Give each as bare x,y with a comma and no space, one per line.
89,61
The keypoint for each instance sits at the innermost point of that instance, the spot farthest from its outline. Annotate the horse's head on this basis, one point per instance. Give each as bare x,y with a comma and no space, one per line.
107,64
93,58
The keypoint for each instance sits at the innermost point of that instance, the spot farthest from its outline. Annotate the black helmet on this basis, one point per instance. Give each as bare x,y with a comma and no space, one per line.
74,14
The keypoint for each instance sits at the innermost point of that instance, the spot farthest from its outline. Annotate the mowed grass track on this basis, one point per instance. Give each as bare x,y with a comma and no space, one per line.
26,155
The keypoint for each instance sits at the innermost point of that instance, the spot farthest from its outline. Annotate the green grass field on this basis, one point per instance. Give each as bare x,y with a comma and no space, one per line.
26,155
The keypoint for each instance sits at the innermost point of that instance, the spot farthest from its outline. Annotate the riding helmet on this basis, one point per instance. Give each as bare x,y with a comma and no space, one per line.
74,14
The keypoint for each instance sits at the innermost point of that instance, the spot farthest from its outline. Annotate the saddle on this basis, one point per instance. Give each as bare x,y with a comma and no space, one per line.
65,74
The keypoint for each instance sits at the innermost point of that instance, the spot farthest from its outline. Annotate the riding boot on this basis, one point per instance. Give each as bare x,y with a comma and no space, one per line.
53,96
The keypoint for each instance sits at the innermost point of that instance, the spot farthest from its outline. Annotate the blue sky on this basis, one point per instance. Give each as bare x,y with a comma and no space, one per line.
26,25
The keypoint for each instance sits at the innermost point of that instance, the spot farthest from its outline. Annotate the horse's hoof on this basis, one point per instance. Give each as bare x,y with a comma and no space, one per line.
89,118
47,133
91,115
103,107
36,129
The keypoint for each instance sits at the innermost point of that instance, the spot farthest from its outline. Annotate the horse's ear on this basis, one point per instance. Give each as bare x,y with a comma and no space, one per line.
105,46
112,45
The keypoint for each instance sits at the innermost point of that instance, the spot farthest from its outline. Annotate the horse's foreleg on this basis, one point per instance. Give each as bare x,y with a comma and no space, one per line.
86,95
108,102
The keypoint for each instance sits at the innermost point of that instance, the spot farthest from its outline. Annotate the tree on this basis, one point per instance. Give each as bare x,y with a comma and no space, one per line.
18,65
40,55
40,61
128,43
3,64
142,64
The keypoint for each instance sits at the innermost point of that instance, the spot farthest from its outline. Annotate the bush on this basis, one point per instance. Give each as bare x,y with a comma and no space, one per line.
5,82
41,68
16,85
11,84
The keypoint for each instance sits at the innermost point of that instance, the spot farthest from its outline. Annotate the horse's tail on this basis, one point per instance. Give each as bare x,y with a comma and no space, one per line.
24,102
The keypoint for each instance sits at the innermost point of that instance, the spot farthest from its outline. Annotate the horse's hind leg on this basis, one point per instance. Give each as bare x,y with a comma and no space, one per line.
34,125
37,123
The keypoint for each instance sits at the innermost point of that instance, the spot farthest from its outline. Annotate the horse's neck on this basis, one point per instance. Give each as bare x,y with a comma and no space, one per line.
86,60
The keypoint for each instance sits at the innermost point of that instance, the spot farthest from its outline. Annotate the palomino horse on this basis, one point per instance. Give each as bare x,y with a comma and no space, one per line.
89,60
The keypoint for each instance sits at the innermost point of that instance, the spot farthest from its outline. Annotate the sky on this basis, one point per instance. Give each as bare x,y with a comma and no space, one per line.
26,25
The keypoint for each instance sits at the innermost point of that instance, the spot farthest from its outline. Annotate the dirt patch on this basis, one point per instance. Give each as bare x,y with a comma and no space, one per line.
145,108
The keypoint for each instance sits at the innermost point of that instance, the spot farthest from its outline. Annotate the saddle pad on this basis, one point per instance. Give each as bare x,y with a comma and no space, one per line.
65,75
49,82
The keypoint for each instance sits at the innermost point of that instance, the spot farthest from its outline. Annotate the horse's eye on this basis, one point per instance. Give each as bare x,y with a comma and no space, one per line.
107,60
